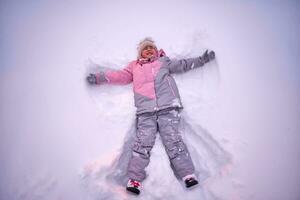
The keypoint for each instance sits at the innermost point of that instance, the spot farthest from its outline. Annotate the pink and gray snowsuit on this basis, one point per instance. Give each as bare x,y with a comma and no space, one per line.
158,104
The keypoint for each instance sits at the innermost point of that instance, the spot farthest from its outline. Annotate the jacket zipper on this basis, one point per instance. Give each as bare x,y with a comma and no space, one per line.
156,106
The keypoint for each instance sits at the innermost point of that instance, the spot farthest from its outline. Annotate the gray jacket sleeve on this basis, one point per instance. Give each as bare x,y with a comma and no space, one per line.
184,65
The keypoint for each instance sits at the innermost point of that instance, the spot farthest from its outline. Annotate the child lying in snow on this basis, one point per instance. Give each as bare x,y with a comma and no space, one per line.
158,105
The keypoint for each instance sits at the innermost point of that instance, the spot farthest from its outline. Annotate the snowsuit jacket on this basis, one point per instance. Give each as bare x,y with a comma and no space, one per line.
153,84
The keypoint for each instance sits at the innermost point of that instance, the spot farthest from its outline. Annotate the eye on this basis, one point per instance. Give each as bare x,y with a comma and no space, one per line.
148,47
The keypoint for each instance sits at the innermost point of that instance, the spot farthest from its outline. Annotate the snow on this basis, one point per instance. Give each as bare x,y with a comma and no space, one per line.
60,139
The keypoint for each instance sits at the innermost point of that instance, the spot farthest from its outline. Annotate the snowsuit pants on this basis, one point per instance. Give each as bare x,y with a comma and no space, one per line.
166,122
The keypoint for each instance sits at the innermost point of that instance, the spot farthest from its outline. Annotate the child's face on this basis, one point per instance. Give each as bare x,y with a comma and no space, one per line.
149,52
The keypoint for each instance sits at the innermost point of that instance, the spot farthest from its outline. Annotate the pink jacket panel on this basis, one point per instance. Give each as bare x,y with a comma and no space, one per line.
143,77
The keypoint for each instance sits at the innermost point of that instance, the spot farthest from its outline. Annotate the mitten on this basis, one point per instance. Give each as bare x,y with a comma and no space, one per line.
92,79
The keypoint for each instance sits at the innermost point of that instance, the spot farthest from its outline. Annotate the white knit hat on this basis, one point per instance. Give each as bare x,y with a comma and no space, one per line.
148,41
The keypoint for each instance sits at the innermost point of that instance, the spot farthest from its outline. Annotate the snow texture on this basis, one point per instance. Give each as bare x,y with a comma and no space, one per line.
62,139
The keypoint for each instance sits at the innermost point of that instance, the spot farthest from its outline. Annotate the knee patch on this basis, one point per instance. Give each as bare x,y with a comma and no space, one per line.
143,146
176,149
140,151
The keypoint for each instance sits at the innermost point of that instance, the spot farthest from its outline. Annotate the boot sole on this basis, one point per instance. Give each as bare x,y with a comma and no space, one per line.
195,183
133,190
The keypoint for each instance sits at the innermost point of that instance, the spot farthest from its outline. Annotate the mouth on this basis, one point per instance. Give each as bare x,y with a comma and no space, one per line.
149,53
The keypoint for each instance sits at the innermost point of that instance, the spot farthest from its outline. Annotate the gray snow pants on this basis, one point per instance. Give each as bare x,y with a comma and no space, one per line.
166,122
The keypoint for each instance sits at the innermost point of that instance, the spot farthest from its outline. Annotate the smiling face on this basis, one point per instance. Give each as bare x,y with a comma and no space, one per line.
149,52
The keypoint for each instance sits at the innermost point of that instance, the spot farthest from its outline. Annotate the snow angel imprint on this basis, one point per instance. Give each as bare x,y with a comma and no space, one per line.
158,106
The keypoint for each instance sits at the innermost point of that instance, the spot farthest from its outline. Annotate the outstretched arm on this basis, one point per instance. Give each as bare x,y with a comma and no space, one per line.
120,77
184,65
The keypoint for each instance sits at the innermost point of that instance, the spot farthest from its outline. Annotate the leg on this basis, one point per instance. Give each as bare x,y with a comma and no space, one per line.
168,123
144,141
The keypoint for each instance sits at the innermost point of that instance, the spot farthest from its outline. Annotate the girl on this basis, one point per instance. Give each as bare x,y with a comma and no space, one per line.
158,105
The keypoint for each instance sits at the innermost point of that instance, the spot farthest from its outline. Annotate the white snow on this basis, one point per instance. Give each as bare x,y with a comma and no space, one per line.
60,139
